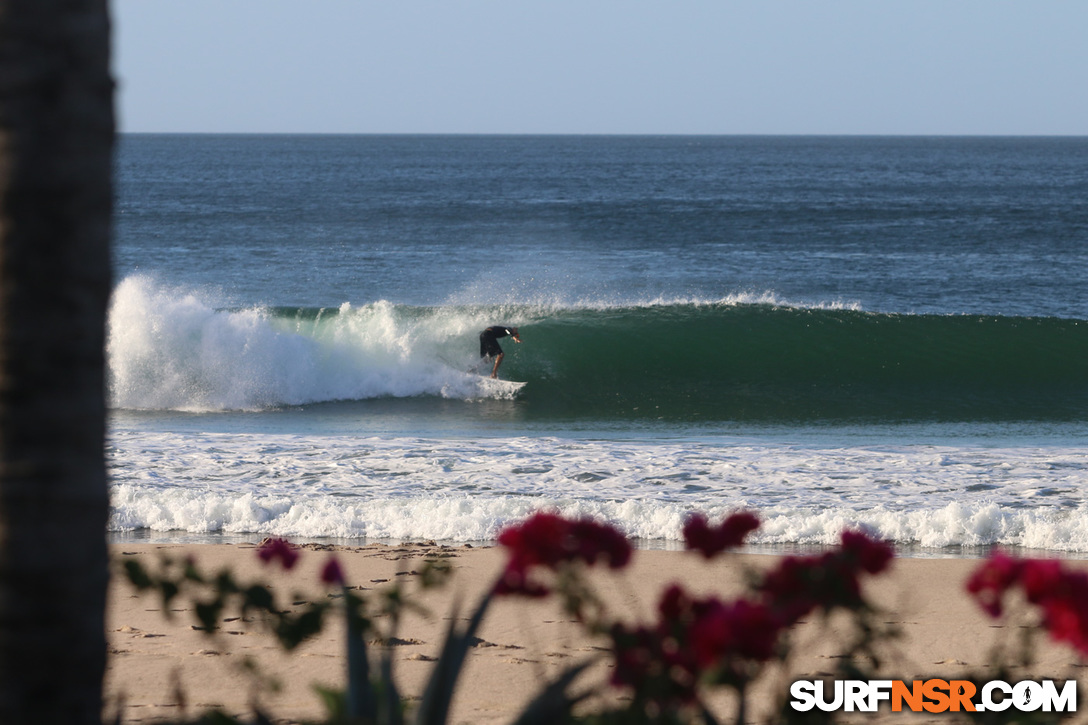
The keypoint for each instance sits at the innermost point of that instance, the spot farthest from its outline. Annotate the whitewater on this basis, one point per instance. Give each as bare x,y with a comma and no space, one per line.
926,497
171,349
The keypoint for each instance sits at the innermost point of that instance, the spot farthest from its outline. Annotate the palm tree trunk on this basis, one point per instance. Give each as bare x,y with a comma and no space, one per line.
56,144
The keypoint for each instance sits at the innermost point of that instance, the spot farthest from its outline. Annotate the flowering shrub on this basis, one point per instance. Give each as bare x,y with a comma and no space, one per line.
1060,594
827,581
710,541
550,541
698,643
695,641
695,645
278,550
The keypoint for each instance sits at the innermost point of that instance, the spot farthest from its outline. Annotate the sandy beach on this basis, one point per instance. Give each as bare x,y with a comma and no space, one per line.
162,666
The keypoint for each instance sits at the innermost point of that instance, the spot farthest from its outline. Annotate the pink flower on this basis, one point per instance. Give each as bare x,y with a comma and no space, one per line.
272,549
1065,622
800,585
331,573
991,580
693,638
674,603
710,541
1065,605
873,556
515,580
548,540
540,539
1062,595
741,630
599,542
1041,578
708,640
650,664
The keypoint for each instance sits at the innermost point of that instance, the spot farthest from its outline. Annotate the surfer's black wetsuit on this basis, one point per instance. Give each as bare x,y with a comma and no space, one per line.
489,346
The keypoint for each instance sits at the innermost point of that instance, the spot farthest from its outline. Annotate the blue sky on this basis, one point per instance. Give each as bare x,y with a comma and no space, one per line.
603,66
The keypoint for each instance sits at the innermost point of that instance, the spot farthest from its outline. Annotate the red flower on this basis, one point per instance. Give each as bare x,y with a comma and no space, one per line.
1060,618
801,584
709,540
741,630
547,539
991,580
331,573
272,549
873,556
1066,620
537,540
692,640
648,663
1062,595
674,603
596,542
1041,578
711,634
515,580
707,640
1065,604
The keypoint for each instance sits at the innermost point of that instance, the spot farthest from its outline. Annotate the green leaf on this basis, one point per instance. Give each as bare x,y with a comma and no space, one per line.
360,700
259,597
293,631
169,590
137,575
434,709
335,703
390,707
552,704
208,614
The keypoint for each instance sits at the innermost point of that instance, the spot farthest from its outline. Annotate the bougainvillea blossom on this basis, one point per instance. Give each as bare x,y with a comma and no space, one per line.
278,549
548,540
708,540
1060,593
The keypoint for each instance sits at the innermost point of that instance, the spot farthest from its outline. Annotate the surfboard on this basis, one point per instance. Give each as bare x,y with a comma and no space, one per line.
488,387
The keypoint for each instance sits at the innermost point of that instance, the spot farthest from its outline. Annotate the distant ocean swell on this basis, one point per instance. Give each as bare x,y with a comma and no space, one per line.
735,359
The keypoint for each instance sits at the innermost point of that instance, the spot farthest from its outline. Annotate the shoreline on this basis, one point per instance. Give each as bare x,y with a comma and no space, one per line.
163,667
911,551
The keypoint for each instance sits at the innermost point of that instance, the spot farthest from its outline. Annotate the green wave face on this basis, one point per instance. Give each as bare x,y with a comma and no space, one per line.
757,362
724,361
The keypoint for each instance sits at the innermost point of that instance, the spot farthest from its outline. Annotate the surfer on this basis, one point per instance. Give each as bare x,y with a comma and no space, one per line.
489,346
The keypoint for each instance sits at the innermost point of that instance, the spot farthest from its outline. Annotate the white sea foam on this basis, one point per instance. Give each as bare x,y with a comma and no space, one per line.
174,349
466,490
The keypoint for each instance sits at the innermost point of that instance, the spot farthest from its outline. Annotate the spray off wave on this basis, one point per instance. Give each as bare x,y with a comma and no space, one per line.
171,350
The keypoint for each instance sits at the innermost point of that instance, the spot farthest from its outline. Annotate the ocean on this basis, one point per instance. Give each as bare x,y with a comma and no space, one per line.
885,332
